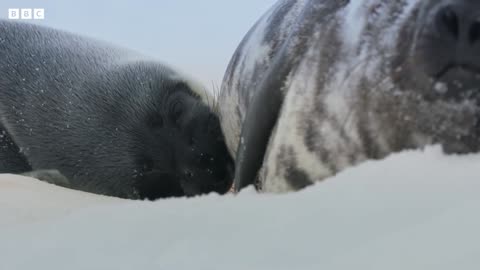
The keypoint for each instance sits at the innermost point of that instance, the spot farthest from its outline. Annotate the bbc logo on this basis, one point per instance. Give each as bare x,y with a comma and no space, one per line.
26,13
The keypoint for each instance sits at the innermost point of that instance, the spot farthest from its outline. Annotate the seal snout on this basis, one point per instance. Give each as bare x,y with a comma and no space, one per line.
449,48
459,22
456,29
216,176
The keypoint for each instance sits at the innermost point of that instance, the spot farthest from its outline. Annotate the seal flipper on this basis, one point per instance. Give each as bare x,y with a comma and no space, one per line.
267,101
50,176
262,116
11,160
256,130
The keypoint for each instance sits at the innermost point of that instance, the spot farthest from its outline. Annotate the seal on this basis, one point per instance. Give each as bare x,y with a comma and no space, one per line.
318,86
85,114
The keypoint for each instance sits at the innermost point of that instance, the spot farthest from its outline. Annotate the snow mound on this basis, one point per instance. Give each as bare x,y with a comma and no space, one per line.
414,210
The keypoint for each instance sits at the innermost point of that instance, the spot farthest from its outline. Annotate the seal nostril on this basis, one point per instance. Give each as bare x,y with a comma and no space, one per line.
448,22
474,34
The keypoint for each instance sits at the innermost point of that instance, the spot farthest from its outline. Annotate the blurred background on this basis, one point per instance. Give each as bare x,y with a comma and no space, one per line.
196,37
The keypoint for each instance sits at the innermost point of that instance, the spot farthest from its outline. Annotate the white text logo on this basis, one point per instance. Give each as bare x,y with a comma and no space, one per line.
26,13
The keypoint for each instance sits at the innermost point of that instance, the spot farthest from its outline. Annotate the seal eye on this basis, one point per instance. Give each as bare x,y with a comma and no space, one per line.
177,110
155,122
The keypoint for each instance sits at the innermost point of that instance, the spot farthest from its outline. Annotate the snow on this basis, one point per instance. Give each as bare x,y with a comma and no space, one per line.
414,210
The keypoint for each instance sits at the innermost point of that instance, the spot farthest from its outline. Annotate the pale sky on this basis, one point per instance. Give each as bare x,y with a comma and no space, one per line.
195,36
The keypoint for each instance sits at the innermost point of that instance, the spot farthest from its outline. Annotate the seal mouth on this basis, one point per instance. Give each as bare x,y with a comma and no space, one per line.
461,70
458,82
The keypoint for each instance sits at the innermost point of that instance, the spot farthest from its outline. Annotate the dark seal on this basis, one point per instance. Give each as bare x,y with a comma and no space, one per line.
317,86
108,120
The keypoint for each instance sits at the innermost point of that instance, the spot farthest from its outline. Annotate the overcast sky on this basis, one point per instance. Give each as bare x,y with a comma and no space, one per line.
196,36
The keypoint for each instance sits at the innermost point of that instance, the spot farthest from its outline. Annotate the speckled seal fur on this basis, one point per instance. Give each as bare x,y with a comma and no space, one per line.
318,86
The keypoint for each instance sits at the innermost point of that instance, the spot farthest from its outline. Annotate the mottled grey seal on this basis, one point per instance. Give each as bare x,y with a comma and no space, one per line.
317,86
109,120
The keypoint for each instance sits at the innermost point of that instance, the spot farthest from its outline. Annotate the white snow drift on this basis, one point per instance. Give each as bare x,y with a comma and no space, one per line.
414,210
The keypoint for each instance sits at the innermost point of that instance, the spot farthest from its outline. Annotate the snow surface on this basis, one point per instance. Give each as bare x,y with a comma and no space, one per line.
414,210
